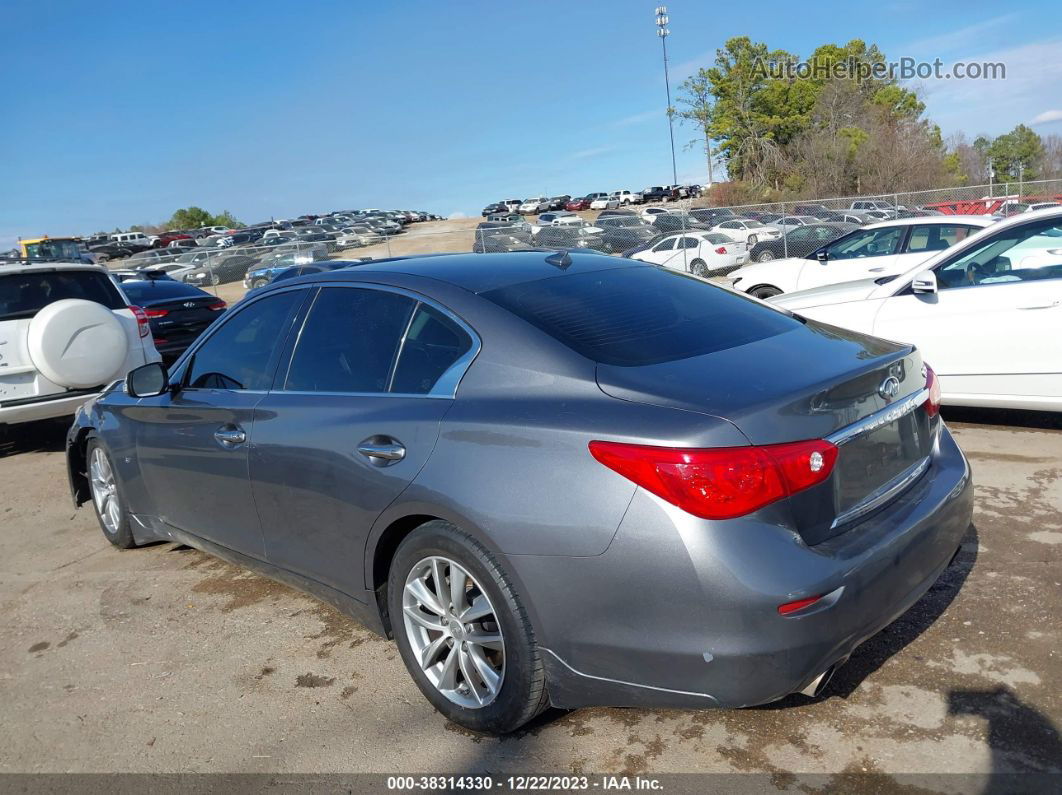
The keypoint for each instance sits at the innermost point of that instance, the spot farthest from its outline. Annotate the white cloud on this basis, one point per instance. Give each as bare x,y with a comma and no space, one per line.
592,152
948,43
1047,117
639,118
1033,72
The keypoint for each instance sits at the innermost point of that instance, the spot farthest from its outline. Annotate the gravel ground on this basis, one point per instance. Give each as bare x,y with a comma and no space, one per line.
163,659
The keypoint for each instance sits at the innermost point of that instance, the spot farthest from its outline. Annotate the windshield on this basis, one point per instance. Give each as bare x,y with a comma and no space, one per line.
54,250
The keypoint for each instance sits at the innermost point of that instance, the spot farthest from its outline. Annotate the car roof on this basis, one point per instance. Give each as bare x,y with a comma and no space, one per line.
975,220
27,267
479,273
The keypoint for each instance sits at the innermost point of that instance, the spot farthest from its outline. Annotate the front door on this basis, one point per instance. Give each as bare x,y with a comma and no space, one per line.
193,445
868,253
992,327
349,425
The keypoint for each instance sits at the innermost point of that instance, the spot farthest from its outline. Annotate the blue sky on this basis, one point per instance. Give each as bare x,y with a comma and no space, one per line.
118,113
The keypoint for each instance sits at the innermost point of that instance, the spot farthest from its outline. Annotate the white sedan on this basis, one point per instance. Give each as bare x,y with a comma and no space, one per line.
986,313
883,249
604,201
701,253
534,205
747,229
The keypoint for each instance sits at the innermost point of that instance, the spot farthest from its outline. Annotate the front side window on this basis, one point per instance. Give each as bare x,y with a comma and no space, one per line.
867,243
1029,252
240,354
665,245
349,342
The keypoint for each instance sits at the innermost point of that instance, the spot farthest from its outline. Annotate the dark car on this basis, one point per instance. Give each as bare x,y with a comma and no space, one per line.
492,209
799,241
659,193
283,274
483,456
677,221
559,202
177,312
610,213
622,233
715,215
222,267
569,236
495,241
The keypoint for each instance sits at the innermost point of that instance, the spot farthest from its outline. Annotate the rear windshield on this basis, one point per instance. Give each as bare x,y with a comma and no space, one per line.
639,316
162,288
23,295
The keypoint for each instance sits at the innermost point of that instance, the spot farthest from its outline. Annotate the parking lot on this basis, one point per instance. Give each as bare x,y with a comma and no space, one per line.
163,659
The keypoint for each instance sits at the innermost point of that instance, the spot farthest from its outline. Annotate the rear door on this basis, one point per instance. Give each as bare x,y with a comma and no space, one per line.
925,240
349,424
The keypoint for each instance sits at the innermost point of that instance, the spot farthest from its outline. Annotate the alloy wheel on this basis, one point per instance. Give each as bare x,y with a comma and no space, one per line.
105,491
454,632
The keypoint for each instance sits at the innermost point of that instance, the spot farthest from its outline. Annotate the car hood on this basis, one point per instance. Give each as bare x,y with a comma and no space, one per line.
829,294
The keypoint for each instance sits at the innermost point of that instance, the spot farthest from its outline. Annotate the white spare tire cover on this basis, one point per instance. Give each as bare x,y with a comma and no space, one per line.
77,344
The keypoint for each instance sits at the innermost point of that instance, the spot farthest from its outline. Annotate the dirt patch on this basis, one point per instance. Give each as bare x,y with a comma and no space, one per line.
239,587
313,680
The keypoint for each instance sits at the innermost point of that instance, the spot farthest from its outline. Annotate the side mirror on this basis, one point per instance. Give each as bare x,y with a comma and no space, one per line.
821,255
149,380
924,282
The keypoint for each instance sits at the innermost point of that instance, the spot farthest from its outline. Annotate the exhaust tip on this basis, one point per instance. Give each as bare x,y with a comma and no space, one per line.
819,683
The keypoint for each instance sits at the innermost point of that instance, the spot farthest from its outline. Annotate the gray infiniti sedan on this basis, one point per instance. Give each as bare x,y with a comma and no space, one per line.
559,478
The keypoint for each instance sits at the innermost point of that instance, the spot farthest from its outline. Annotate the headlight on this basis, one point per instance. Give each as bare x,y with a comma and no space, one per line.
201,273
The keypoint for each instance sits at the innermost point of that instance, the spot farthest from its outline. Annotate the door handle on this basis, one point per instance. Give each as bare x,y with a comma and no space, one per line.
382,453
230,436
1041,306
875,270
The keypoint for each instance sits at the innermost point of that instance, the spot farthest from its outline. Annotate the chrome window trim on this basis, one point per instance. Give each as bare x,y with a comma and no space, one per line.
445,385
883,494
879,418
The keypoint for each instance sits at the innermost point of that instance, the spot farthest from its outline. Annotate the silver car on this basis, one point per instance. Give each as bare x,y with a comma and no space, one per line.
563,478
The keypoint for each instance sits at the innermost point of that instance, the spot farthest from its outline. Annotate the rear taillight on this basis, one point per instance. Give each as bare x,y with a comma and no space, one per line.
217,306
723,482
933,385
721,250
799,604
141,320
156,312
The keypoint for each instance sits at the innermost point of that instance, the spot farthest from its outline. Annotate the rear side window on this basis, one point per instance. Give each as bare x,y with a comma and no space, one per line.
23,295
639,316
432,344
349,341
240,355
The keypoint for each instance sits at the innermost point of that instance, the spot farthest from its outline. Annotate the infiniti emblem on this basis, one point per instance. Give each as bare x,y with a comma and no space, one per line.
889,388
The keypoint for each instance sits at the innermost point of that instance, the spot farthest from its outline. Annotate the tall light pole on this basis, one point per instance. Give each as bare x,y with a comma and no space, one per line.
663,32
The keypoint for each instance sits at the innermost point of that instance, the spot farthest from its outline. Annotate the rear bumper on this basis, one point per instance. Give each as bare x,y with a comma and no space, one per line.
681,612
44,408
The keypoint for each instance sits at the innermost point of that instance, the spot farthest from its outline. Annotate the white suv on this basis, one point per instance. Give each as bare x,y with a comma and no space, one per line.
66,331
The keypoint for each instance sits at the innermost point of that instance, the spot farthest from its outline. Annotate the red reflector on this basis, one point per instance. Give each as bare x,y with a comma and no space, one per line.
156,312
933,385
799,604
141,320
217,307
721,250
159,340
723,482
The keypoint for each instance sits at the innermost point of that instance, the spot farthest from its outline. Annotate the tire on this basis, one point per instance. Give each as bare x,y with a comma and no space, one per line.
112,513
752,240
215,280
520,691
765,256
699,268
764,291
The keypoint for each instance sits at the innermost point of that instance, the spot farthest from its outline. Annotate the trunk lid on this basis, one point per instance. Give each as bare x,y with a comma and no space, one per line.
814,382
